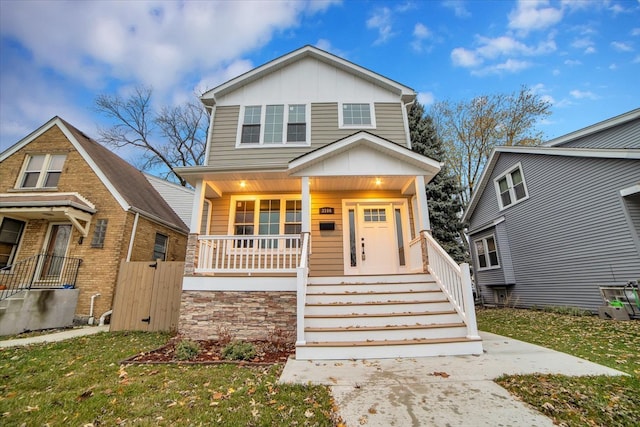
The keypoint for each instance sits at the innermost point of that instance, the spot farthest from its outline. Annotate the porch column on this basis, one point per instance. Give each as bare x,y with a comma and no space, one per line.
196,208
306,205
422,216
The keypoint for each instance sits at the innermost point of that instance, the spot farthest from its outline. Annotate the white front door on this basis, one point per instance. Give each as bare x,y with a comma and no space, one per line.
55,251
375,237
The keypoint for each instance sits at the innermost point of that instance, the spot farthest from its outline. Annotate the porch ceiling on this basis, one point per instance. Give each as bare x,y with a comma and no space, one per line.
272,183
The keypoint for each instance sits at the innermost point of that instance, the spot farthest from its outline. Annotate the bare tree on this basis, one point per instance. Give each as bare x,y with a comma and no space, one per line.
170,138
471,129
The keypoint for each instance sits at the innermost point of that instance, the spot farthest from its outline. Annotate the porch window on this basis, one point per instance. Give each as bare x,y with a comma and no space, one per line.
272,125
10,234
267,216
510,187
356,115
42,171
160,247
487,253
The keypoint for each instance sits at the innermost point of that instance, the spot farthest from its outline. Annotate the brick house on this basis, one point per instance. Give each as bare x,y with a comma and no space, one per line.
310,217
63,198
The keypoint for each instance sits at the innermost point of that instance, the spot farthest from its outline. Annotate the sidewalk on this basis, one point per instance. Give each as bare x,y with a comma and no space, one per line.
56,336
439,391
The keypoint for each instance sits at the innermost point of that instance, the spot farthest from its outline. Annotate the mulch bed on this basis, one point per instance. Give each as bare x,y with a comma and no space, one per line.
211,353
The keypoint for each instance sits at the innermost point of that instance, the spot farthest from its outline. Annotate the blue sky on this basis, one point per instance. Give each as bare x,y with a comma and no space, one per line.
57,56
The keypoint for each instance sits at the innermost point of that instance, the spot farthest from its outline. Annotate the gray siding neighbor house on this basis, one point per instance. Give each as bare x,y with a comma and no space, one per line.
549,225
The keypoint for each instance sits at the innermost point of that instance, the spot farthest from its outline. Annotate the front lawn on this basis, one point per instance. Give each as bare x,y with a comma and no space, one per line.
81,382
575,401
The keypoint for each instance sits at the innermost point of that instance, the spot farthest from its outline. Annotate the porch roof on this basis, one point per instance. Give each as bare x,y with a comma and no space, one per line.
59,206
361,161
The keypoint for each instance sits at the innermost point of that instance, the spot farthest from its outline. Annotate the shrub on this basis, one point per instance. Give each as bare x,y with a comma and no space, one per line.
224,336
187,350
238,350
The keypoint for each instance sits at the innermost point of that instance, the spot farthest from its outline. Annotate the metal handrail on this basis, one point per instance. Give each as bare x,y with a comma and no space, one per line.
41,271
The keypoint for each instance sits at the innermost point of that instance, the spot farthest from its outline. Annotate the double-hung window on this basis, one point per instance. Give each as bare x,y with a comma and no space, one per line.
272,125
510,187
487,253
352,115
10,233
160,247
42,171
268,216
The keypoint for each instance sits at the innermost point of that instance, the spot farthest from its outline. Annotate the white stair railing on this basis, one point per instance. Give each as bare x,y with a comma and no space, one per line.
455,282
301,288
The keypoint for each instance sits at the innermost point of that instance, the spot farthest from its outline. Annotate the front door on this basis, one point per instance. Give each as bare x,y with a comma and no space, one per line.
375,238
55,251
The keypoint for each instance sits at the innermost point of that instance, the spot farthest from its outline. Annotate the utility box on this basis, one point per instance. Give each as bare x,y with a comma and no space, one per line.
613,313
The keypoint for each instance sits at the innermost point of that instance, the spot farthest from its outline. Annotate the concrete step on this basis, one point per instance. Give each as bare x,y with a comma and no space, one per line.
367,280
388,349
381,333
365,297
324,288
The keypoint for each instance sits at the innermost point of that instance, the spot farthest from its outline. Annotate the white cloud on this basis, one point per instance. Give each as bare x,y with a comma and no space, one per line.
381,21
509,66
458,8
462,57
572,62
579,94
426,98
421,33
613,67
622,47
98,45
590,50
532,15
635,32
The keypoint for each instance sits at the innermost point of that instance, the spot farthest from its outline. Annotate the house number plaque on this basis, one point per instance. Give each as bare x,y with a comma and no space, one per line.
326,211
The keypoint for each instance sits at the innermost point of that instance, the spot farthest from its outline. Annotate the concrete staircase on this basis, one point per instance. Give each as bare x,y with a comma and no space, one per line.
365,317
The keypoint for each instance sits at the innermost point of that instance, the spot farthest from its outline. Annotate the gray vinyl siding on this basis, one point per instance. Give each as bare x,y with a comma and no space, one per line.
626,135
571,235
324,130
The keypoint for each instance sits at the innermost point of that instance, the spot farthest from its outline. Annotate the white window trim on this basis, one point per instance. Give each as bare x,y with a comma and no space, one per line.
285,122
15,253
43,171
372,110
483,239
512,192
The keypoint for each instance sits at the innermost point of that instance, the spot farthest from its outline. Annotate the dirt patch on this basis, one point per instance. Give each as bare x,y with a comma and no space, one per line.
211,352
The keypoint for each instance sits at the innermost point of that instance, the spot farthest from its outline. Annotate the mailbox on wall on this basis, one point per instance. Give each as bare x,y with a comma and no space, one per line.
326,226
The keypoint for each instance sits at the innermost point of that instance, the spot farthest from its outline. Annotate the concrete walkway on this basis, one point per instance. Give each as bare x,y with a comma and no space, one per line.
56,336
439,391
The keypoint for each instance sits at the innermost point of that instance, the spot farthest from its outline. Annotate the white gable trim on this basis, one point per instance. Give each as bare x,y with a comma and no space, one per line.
209,97
384,150
58,122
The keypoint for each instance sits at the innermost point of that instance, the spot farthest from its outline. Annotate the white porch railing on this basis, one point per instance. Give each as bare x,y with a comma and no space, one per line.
249,254
455,282
302,280
415,255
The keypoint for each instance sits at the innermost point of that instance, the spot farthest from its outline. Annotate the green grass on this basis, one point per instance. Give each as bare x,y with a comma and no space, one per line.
81,381
575,401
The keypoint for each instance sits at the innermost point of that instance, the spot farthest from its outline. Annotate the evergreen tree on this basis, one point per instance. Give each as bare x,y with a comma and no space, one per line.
443,192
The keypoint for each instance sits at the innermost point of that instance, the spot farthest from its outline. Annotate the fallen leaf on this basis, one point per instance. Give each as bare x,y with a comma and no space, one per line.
308,413
441,374
372,410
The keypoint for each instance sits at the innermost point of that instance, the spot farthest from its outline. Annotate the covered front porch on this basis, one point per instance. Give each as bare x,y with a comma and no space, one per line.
353,212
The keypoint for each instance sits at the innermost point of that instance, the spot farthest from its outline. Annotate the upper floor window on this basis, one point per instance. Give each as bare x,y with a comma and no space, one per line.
510,187
276,124
10,233
42,171
487,253
356,115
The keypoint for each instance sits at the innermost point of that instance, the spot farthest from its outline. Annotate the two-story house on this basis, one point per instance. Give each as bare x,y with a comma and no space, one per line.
70,211
551,225
310,217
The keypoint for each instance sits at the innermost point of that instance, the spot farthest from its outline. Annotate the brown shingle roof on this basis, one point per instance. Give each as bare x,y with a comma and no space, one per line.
127,180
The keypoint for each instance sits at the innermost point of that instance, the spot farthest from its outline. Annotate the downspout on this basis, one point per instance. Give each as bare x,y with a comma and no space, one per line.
91,319
405,114
133,236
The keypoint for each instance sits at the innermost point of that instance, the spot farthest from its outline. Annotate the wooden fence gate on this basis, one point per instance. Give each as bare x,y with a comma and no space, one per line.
147,296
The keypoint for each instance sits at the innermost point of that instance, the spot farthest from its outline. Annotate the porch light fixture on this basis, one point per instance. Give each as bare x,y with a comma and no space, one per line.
378,182
243,184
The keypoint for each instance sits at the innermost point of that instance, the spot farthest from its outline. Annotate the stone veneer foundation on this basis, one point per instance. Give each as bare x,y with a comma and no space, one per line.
245,315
